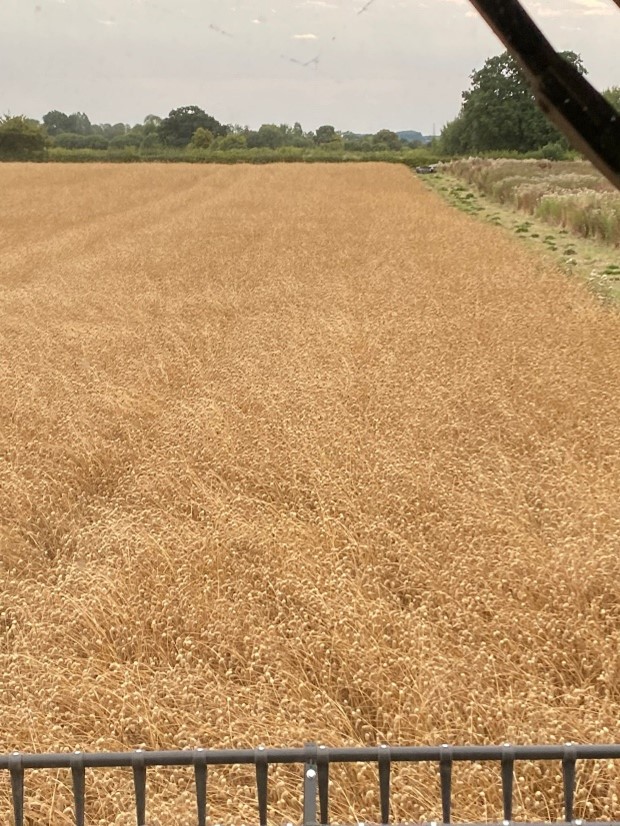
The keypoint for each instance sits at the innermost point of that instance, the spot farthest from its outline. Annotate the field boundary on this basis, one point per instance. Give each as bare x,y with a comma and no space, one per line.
593,262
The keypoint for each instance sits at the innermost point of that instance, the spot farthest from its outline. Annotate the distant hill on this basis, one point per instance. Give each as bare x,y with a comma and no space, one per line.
411,135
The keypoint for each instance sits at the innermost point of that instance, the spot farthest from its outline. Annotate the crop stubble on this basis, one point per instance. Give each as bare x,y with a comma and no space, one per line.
294,452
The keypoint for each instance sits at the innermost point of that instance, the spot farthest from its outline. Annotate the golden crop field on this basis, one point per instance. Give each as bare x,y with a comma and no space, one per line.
299,452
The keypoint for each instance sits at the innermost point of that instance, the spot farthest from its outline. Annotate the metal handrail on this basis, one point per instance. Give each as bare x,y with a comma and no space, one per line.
316,761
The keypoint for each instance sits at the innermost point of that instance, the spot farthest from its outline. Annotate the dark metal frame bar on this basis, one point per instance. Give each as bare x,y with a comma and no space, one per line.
315,761
589,122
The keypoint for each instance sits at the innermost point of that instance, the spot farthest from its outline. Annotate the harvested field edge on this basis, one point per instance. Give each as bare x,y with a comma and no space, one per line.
592,262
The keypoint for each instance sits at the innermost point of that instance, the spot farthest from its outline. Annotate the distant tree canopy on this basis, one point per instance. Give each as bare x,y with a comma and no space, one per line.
269,136
272,136
151,124
385,139
234,141
56,122
125,141
202,138
325,134
180,125
80,124
613,96
190,127
71,140
499,111
111,130
21,139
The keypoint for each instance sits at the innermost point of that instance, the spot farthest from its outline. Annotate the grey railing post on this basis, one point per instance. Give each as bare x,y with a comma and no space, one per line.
310,785
138,764
262,768
78,778
507,769
16,769
200,778
384,761
568,777
445,773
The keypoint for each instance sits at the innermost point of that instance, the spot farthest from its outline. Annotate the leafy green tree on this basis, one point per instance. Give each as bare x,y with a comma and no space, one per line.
56,122
109,130
232,142
237,129
388,140
151,124
297,137
21,139
80,124
499,111
150,142
95,141
117,130
269,136
352,142
69,140
202,138
125,141
179,127
613,96
454,139
325,134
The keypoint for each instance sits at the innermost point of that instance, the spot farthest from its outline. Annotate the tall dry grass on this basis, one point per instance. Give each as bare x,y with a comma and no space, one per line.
299,452
568,194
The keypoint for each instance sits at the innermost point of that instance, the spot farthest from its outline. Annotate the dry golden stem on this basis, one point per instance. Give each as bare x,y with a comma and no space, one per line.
298,452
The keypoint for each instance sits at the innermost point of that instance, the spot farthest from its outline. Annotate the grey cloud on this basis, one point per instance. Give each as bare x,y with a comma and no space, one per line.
399,63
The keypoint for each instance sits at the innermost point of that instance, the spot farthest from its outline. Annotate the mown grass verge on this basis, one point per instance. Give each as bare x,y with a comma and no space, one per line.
571,195
588,258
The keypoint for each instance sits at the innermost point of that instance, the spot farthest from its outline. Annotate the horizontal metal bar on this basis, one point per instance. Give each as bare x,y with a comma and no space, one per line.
365,754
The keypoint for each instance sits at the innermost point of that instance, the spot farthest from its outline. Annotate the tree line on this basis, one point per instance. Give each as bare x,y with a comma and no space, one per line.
188,127
498,115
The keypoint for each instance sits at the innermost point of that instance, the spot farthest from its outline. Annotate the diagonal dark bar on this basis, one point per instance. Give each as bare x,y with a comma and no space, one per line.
139,784
584,116
568,776
445,775
508,766
78,778
200,778
260,760
385,763
16,769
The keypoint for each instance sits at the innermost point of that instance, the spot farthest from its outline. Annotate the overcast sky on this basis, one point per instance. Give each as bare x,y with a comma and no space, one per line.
398,64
